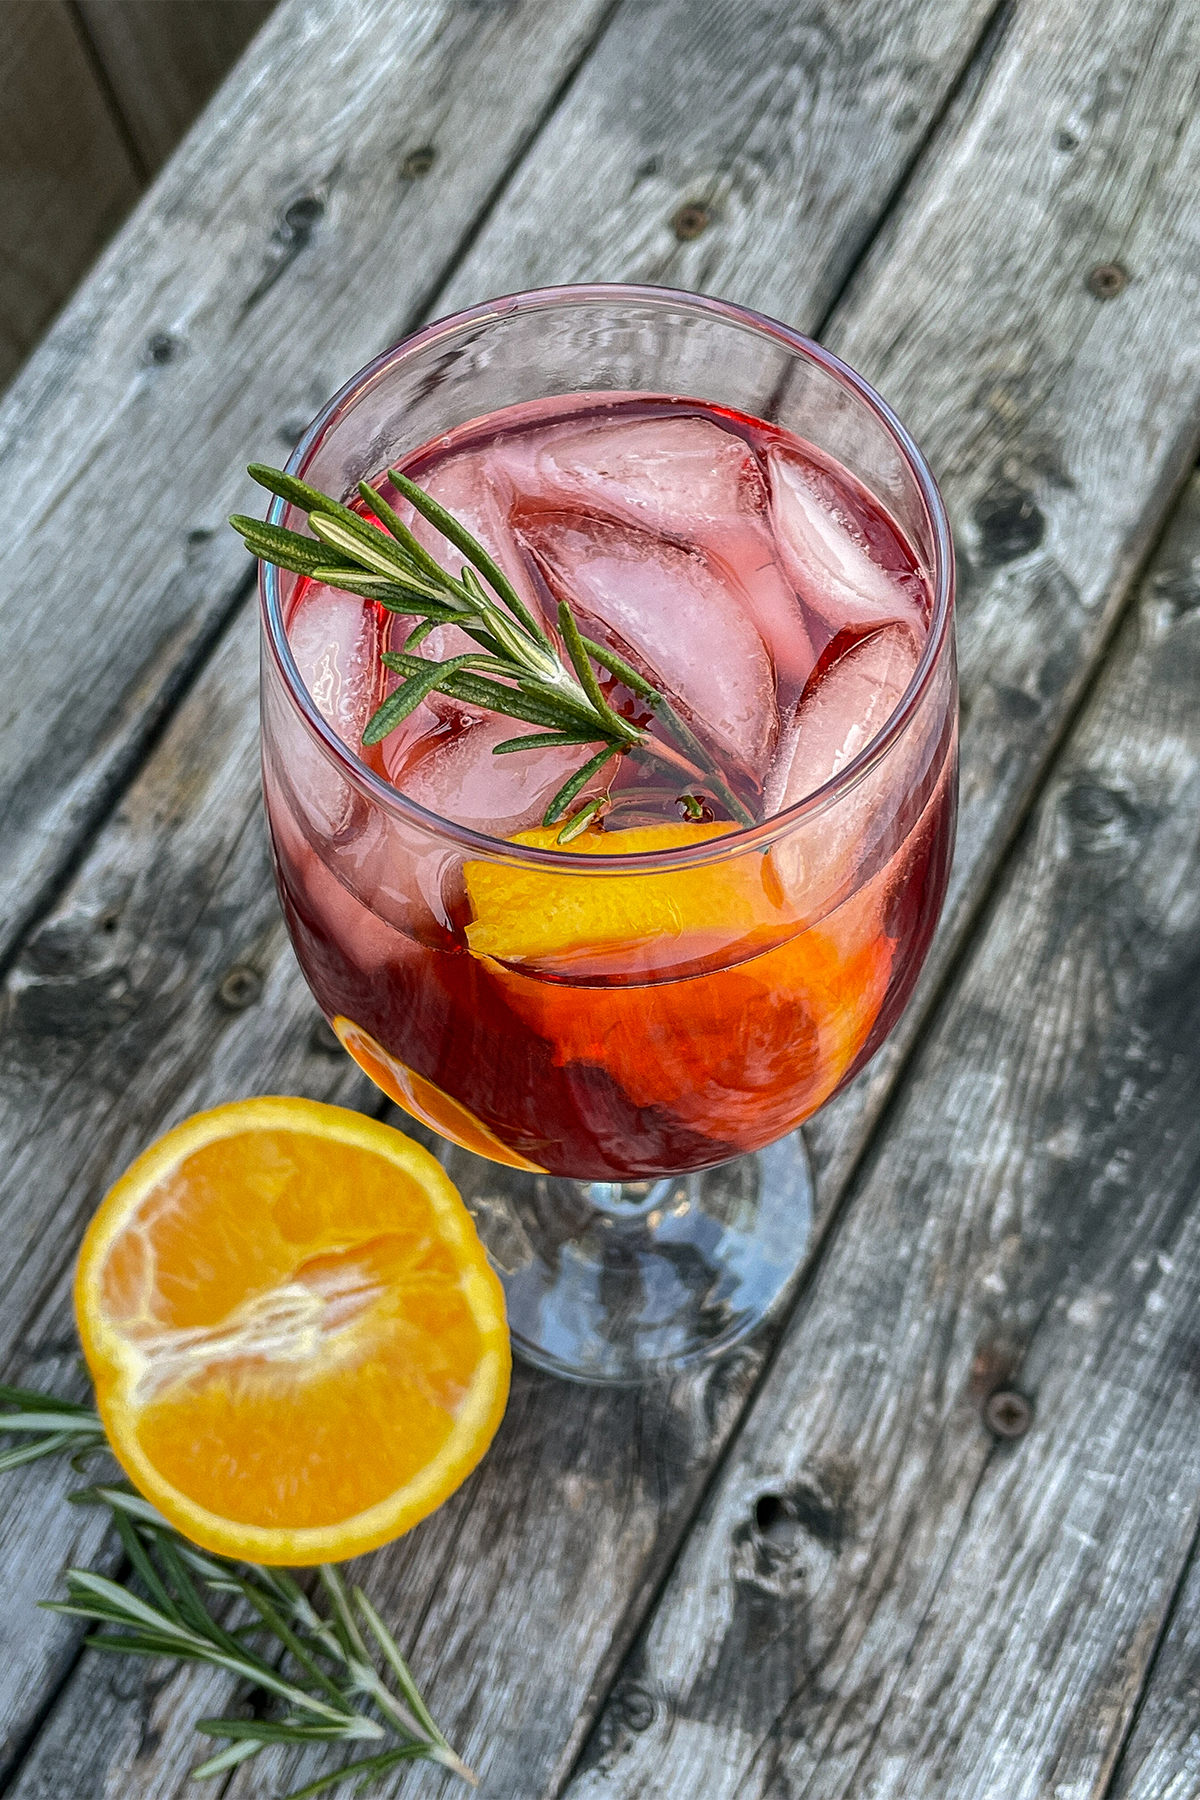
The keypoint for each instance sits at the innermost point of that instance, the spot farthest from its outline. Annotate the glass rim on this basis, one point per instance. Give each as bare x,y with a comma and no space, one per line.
738,840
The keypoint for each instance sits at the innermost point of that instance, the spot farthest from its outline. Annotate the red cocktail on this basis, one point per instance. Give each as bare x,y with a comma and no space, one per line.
741,921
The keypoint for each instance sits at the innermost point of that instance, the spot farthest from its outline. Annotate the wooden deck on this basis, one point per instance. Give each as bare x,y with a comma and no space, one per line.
812,1571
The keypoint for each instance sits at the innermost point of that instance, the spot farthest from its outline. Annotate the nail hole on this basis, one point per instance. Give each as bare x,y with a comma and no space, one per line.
240,988
418,163
769,1510
637,1709
1008,1414
1107,280
109,922
1065,140
690,221
160,348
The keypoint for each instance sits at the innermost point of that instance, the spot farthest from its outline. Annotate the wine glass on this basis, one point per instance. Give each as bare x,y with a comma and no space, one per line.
625,1129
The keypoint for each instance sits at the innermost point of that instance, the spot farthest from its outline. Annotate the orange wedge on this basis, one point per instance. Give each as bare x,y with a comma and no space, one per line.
585,925
424,1100
298,1347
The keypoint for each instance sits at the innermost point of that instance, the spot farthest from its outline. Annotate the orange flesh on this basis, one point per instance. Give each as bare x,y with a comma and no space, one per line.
283,1332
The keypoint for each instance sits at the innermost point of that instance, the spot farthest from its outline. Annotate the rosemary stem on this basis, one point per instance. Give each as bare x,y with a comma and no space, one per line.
667,753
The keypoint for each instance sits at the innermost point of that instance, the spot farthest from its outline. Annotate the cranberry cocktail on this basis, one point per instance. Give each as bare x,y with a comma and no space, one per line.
725,921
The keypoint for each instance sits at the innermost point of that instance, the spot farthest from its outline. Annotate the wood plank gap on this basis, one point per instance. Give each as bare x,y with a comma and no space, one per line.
972,75
109,93
1170,1617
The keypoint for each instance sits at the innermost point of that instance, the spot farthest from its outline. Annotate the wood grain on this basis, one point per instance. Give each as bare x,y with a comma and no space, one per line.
163,61
881,1598
170,368
741,114
66,177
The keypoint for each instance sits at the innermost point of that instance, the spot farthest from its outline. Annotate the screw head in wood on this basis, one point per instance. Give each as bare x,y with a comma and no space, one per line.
1008,1414
637,1709
240,988
1106,281
690,221
161,348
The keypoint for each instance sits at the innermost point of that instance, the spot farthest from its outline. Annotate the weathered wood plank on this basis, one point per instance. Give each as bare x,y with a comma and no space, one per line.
645,1453
706,147
287,243
880,1598
163,62
66,178
1161,1761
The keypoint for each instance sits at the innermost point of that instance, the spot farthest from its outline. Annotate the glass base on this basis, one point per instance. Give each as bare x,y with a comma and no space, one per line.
626,1282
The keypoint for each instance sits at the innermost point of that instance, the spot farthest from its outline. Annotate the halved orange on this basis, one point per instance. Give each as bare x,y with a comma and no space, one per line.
298,1347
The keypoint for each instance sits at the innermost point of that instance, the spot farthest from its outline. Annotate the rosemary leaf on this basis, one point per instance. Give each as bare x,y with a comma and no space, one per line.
578,781
46,1446
401,532
579,822
539,740
618,727
228,1759
624,671
272,543
364,1771
409,695
474,552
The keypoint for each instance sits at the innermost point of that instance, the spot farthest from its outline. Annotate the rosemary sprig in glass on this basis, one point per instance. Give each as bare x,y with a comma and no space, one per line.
319,1669
517,671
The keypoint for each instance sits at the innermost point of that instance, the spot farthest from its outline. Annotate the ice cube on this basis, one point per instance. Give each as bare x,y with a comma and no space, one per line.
334,638
679,478
669,611
827,559
683,479
840,714
451,772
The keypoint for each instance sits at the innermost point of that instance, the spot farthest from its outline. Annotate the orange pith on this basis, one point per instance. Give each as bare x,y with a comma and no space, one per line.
297,1345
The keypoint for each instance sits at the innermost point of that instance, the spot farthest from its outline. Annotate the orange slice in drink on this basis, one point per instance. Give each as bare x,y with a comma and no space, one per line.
423,1100
741,1053
298,1347
584,925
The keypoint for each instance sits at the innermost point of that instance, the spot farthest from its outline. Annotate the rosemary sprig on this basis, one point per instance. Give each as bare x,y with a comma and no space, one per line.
517,670
316,1668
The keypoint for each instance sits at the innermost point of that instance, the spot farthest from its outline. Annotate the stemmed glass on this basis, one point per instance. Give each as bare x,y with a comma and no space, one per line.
626,1139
